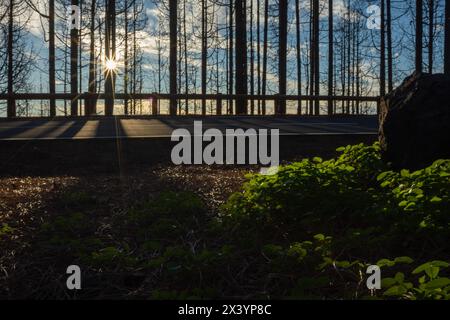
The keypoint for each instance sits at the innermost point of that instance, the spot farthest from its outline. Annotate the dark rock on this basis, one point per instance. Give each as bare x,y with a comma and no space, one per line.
415,122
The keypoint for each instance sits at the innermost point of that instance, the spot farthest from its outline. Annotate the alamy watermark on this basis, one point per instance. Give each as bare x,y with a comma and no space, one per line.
374,280
73,17
73,282
373,20
228,148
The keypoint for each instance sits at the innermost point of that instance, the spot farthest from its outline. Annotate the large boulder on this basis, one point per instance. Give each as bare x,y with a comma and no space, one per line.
415,122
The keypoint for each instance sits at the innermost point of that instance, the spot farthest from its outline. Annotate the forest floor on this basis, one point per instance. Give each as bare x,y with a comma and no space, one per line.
28,203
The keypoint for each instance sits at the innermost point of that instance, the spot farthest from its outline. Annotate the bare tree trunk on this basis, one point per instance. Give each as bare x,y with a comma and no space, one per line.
126,71
258,50
299,55
358,71
66,67
312,63
51,55
134,71
217,38
126,54
252,62
74,43
389,44
80,57
173,55
241,55
113,48
282,61
230,59
419,35
265,47
11,110
92,103
353,63
383,51
447,38
204,52
159,62
349,57
109,99
343,64
141,81
330,56
430,35
316,33
186,76
179,61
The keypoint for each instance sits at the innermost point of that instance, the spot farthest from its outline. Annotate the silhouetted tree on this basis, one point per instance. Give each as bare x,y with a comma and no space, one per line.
173,16
330,56
282,52
74,43
11,102
383,50
447,38
419,35
241,55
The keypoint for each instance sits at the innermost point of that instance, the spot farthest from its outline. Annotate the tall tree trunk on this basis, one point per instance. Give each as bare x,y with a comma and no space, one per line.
312,63
252,62
159,61
80,57
113,46
447,38
92,103
74,43
241,56
316,34
258,50
353,64
382,51
51,56
343,64
230,59
358,71
227,59
419,35
217,39
141,81
349,57
299,55
282,58
330,56
109,79
430,35
265,47
134,71
173,13
125,67
11,109
65,73
389,45
204,52
180,60
186,75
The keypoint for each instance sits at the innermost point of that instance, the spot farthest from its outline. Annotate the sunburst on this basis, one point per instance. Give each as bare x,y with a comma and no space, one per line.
111,65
